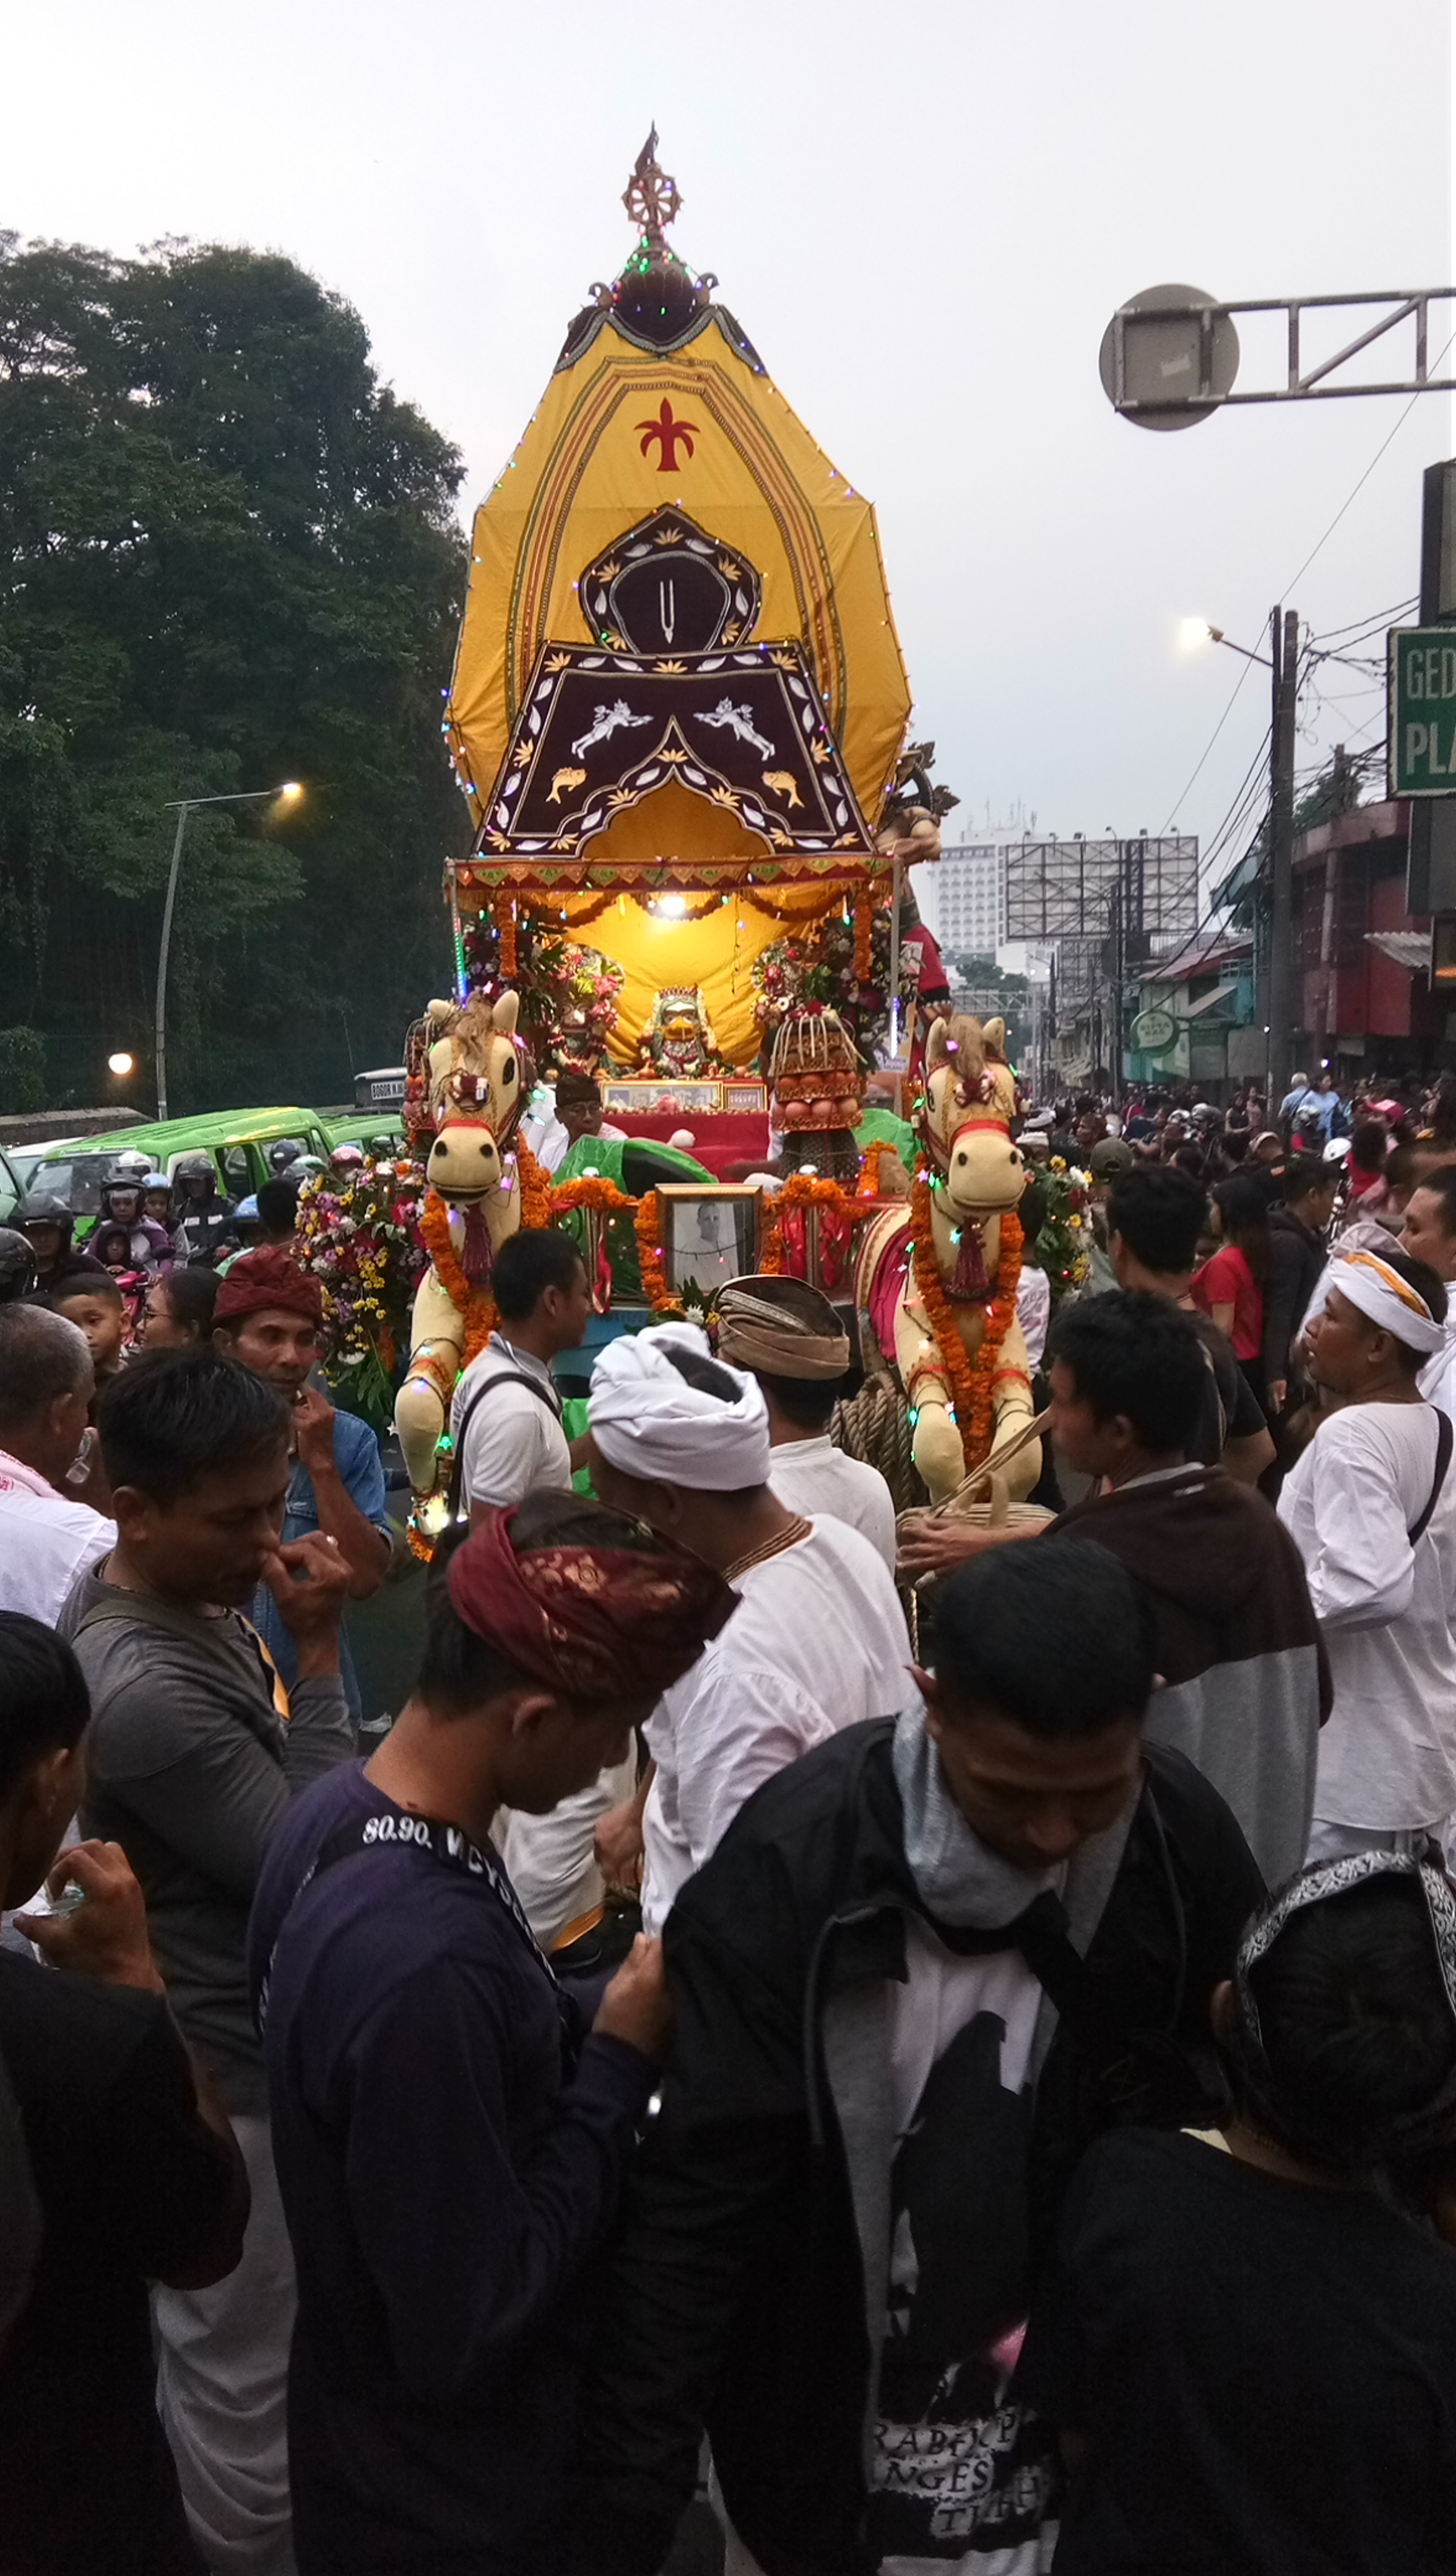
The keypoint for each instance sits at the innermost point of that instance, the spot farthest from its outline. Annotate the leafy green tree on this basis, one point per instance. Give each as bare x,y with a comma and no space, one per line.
229,557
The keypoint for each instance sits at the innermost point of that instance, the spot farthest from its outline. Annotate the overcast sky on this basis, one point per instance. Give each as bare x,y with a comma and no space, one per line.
923,214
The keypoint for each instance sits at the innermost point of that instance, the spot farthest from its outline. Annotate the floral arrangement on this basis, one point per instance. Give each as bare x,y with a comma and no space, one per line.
1063,1245
586,1010
842,965
971,1383
569,993
358,1235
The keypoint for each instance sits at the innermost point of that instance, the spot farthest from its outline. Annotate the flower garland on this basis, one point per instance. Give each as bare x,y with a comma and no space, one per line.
592,1192
654,1287
970,1384
868,1186
801,1189
476,1306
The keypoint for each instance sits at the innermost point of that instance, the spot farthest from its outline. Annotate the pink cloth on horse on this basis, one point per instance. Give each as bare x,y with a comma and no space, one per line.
887,1289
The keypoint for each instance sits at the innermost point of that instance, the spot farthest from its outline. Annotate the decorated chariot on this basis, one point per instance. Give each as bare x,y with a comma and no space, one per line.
678,715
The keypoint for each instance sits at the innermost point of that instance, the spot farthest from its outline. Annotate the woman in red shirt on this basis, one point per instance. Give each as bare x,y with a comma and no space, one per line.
1230,1287
1367,1157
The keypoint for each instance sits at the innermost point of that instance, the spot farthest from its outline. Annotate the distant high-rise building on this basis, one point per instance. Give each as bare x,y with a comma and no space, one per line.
971,896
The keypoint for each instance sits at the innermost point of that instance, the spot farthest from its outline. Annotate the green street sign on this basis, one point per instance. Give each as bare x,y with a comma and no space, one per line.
1422,661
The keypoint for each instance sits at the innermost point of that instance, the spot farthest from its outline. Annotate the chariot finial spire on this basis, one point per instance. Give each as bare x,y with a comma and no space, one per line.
651,198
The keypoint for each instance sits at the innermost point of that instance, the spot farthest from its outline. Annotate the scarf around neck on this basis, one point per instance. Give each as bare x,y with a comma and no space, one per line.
959,1880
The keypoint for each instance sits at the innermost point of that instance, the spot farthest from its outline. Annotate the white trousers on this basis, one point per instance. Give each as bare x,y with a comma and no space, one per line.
222,2386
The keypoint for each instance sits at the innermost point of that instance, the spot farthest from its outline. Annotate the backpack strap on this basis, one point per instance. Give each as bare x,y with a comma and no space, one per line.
498,1377
1444,1438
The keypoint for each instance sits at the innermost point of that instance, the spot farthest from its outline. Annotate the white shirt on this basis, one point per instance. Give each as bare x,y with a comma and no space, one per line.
555,1143
45,1542
818,1643
812,1476
1387,1757
513,1440
1437,1380
1033,1311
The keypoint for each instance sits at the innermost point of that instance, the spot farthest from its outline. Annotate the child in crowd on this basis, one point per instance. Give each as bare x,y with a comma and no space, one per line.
1249,2349
98,1306
94,1302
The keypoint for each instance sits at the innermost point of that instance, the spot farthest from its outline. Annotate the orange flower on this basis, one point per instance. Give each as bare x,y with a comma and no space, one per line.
971,1385
477,1305
801,1189
592,1192
869,1178
654,1286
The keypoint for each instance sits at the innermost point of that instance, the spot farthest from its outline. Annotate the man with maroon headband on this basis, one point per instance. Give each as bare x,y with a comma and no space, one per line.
450,2137
267,1315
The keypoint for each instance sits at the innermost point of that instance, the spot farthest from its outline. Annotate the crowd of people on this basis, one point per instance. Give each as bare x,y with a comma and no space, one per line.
731,2078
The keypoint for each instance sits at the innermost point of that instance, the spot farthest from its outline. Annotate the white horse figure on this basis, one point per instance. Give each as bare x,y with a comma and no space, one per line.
976,1178
479,1080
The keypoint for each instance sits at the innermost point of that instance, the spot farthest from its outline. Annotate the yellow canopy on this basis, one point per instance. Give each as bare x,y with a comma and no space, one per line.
623,432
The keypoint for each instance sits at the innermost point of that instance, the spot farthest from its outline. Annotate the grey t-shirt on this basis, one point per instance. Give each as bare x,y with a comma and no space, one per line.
192,1769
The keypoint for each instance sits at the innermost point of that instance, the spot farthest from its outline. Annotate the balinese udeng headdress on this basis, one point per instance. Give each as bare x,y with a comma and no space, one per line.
782,1326
1387,1300
595,1622
1407,2131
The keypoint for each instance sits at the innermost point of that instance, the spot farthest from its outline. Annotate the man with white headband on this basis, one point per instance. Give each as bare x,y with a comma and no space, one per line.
818,1641
1371,1507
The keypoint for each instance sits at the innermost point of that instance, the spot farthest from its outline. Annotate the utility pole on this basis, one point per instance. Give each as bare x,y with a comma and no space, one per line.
1283,1005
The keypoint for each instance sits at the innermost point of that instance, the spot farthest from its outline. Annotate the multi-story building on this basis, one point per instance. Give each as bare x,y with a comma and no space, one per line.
970,891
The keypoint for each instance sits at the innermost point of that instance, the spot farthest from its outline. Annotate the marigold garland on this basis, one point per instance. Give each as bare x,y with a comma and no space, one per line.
476,1306
591,1191
505,922
654,1286
864,936
970,1383
801,1189
868,1186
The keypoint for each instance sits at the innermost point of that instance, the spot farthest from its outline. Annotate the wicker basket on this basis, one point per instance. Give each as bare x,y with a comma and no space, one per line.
983,1509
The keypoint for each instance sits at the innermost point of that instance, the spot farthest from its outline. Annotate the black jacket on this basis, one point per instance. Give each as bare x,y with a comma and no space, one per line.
1297,1255
738,2298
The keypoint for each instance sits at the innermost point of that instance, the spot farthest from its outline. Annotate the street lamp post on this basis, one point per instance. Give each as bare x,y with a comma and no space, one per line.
182,807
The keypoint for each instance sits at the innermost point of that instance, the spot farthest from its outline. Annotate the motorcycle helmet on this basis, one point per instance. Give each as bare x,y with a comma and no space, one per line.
17,1266
42,1207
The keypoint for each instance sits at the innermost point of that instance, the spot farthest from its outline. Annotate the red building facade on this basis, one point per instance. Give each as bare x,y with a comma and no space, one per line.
1361,957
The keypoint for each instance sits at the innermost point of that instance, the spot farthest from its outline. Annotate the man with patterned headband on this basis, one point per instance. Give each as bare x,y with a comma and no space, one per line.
1371,1506
788,1336
450,2137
